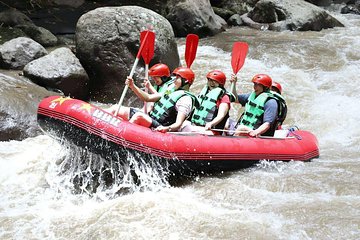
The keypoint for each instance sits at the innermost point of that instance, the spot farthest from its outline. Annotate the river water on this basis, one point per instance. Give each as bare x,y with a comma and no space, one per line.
314,200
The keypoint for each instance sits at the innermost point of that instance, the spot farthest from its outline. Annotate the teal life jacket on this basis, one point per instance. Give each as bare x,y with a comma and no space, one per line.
208,109
164,110
254,110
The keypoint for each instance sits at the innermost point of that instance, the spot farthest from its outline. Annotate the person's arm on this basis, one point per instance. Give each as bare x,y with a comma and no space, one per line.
142,94
260,130
149,86
180,118
233,81
222,112
243,99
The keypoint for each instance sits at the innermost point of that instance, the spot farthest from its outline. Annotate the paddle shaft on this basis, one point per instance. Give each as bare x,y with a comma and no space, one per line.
131,74
146,89
126,87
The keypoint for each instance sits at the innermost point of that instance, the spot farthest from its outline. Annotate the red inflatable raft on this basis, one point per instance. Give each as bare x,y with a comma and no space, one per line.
89,126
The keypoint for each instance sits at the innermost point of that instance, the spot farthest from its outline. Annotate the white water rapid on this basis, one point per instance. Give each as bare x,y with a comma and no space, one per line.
320,199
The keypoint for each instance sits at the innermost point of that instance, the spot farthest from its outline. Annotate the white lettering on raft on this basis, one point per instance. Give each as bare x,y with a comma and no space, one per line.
106,117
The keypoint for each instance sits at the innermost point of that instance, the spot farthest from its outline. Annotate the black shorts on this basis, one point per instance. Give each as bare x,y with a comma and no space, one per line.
132,112
154,123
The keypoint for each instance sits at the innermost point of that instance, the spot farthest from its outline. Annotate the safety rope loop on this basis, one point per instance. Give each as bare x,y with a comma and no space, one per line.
292,131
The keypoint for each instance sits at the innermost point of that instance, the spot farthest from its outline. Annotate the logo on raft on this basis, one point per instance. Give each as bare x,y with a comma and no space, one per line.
106,117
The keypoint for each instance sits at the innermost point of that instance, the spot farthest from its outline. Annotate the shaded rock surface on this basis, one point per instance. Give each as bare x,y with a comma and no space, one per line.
19,100
18,52
294,15
60,70
197,17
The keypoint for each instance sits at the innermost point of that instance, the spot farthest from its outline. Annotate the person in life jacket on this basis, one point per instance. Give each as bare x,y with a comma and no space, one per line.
160,74
171,107
262,109
276,88
214,107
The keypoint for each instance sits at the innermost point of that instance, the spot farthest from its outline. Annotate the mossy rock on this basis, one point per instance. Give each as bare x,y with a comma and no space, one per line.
8,33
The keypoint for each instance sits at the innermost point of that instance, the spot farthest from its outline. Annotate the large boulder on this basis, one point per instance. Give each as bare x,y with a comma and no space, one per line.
107,42
59,70
294,15
197,17
18,52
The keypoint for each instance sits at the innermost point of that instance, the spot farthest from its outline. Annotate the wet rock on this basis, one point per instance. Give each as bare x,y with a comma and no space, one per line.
8,33
294,15
13,17
194,17
323,3
60,70
70,3
251,23
235,20
18,52
19,99
235,6
224,13
39,34
351,8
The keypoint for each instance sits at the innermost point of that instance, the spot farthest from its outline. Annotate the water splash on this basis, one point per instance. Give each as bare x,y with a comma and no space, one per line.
83,172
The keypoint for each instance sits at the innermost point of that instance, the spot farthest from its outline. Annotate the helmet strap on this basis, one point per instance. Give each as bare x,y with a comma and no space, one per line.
185,85
184,82
164,79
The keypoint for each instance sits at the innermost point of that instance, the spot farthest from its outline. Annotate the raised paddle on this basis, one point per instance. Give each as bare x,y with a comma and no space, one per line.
238,56
132,72
147,54
192,41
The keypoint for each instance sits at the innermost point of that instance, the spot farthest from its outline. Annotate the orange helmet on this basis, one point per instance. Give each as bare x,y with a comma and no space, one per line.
262,79
218,76
277,86
159,70
185,73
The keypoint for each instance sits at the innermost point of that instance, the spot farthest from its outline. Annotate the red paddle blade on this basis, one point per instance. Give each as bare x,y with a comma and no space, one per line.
238,55
147,52
192,41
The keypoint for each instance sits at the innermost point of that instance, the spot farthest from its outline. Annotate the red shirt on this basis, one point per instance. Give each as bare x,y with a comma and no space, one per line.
224,99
